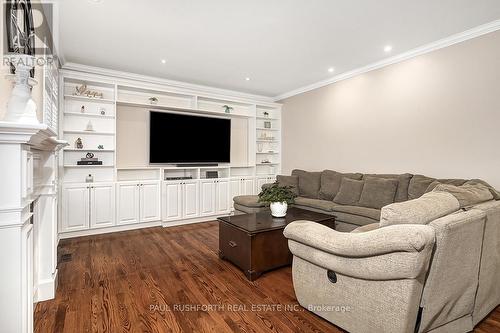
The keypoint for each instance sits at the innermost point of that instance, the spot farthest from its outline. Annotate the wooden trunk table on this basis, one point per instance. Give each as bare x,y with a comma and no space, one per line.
255,242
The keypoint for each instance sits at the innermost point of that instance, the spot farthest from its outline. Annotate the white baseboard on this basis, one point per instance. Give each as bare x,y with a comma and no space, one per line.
119,228
190,221
109,229
46,289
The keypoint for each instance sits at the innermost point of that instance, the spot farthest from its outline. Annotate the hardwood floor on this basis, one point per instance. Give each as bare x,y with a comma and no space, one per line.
171,280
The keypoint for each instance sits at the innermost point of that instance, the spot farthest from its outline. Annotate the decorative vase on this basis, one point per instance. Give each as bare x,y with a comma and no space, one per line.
278,209
21,108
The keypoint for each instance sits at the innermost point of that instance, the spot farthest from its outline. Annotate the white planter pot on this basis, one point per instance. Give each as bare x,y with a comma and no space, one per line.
278,209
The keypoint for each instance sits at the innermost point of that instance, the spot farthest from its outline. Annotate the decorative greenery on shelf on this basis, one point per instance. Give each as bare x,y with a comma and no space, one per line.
276,193
227,108
153,99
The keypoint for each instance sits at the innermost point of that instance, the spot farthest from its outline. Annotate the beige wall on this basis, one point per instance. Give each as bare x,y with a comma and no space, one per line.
132,138
437,114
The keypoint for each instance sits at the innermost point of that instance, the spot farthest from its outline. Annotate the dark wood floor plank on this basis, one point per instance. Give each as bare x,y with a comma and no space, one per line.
138,281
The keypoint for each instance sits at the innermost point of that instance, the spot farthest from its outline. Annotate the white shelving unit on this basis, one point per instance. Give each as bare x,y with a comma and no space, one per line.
148,195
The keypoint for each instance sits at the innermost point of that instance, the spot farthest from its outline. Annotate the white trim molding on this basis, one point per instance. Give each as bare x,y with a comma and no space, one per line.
109,73
442,43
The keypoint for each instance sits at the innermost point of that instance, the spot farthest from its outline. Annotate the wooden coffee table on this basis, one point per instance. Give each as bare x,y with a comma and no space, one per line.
255,242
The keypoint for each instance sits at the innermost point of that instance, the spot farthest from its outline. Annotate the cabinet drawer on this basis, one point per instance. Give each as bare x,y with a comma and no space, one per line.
235,245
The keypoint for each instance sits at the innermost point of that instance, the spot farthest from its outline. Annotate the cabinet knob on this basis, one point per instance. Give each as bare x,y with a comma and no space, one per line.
232,244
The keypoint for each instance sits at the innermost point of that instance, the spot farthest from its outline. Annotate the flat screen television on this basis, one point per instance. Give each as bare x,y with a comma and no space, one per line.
176,138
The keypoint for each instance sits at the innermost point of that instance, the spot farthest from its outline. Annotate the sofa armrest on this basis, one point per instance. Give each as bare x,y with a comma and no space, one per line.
395,252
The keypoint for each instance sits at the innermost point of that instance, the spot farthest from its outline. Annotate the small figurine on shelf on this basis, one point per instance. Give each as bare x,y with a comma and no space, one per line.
80,90
100,147
227,108
82,109
90,127
266,114
102,111
153,100
79,143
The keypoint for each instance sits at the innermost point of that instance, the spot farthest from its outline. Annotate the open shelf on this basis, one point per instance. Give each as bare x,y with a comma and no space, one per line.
88,166
88,132
266,129
89,99
91,115
85,150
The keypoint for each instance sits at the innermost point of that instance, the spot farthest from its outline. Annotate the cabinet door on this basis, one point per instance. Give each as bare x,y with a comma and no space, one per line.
150,201
75,209
261,181
222,196
172,201
190,200
208,197
128,203
247,186
235,185
102,208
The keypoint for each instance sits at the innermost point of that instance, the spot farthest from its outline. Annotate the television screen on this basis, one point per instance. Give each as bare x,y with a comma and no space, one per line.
178,138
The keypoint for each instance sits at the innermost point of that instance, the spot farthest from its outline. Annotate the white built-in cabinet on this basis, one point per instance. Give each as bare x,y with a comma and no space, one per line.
87,206
263,180
241,186
138,202
180,200
214,197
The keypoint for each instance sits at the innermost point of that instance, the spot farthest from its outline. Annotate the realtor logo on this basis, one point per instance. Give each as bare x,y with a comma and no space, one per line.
28,30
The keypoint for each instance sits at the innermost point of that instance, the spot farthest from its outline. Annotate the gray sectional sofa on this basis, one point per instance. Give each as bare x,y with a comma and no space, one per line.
360,201
429,261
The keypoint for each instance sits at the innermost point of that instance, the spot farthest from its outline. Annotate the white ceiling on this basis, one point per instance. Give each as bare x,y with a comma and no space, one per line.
281,45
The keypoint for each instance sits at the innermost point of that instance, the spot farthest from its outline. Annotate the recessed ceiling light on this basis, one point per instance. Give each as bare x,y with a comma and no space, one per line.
247,79
387,48
331,69
163,61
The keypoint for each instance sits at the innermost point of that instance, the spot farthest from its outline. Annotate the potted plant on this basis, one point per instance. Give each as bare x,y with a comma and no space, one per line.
278,197
153,100
227,108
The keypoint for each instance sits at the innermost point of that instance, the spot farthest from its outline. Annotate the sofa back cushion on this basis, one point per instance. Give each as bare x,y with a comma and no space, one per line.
292,181
349,192
378,192
494,192
330,183
309,183
423,210
467,195
419,185
403,183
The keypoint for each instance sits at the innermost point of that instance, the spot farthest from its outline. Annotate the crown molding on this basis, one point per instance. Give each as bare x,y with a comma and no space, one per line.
442,43
171,83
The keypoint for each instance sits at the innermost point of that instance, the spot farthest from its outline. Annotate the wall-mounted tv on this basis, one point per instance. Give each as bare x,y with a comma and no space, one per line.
178,138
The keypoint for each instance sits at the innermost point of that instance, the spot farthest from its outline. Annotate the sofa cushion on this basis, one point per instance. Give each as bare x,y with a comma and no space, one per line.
423,210
378,192
359,211
419,184
494,192
324,205
249,210
292,181
403,183
349,192
330,183
355,220
309,183
467,195
366,228
248,201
